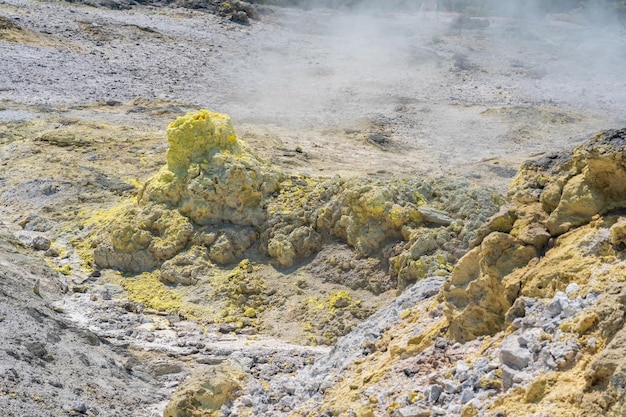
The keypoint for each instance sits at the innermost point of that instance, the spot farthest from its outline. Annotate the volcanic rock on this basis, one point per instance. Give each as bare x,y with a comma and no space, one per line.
538,324
212,179
205,392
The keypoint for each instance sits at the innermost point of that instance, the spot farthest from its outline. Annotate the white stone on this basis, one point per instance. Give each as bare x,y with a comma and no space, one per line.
572,287
514,355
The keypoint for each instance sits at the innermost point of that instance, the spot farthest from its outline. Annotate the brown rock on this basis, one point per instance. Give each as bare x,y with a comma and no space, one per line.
205,392
41,243
475,295
617,233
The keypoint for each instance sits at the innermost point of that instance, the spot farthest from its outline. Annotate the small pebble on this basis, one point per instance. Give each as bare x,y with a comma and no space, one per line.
79,407
41,243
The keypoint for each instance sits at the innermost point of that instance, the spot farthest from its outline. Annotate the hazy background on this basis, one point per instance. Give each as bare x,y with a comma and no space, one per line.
368,59
439,90
592,9
447,94
603,8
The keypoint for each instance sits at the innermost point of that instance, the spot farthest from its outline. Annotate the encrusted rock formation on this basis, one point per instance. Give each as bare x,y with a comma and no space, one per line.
530,322
371,215
532,314
553,203
215,199
216,204
211,178
205,392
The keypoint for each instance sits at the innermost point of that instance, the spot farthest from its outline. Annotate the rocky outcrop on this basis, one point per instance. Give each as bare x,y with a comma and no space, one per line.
530,321
553,203
403,218
476,288
560,239
216,204
606,378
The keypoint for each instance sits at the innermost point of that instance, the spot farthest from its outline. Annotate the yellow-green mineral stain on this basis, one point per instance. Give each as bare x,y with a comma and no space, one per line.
339,299
192,138
147,289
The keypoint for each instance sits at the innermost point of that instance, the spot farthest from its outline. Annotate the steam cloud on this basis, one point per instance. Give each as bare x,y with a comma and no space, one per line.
366,58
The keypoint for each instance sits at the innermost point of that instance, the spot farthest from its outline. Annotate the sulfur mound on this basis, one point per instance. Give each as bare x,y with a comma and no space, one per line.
216,198
210,175
211,179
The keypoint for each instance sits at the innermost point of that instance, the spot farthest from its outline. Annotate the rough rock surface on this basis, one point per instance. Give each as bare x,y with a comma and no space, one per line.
550,197
209,180
428,223
48,364
443,100
521,327
205,392
212,179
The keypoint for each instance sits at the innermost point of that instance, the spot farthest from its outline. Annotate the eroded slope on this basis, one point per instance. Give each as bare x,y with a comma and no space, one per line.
50,366
530,322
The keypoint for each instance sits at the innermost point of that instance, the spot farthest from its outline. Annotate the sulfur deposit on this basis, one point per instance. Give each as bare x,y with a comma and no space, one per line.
210,179
530,322
215,193
556,203
216,205
310,262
